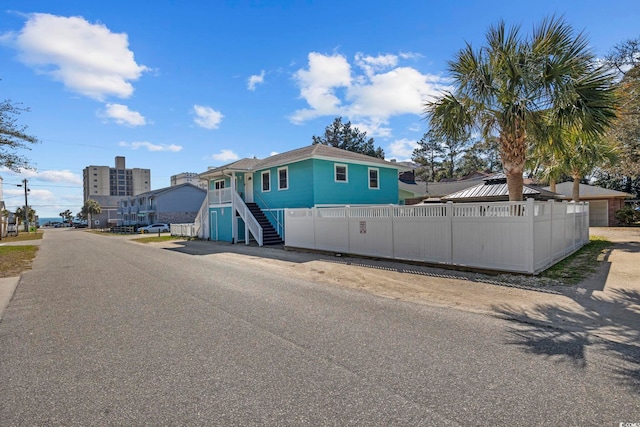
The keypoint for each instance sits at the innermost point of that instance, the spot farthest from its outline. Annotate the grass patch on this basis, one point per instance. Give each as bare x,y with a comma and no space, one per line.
580,265
159,239
21,237
16,259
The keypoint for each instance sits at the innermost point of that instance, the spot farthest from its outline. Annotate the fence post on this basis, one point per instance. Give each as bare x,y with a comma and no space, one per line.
531,226
347,214
565,214
391,224
314,211
449,212
551,205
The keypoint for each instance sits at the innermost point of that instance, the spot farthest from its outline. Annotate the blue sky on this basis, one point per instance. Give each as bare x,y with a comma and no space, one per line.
177,86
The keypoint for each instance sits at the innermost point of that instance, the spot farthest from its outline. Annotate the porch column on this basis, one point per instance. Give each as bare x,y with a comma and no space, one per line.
234,221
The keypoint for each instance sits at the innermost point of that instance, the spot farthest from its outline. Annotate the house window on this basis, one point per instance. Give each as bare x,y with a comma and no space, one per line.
283,178
374,182
340,173
218,185
266,181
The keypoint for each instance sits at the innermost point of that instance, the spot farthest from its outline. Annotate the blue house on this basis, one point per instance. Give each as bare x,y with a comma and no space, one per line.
247,198
175,204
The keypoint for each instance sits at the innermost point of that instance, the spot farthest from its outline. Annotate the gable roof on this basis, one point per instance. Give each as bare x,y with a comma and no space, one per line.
589,191
417,188
154,193
316,151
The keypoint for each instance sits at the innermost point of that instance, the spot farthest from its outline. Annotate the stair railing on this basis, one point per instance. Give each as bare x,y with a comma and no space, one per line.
200,222
250,222
280,227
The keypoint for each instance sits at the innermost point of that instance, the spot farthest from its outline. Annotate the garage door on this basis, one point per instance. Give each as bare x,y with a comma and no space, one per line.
598,213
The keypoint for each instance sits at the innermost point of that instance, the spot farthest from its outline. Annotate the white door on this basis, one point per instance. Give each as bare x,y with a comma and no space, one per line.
598,213
248,187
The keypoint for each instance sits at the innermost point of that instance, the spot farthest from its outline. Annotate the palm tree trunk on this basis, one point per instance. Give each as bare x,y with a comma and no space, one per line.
515,184
552,184
575,189
513,153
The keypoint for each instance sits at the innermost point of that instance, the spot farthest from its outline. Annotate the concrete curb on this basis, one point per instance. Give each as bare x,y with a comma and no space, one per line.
7,287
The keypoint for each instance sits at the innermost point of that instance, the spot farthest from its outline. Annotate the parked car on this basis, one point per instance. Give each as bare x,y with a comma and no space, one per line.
80,225
154,228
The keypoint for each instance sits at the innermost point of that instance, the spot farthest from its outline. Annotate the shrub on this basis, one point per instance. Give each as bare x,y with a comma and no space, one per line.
628,215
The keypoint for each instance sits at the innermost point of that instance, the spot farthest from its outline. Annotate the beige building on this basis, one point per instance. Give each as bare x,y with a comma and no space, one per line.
188,178
107,185
115,181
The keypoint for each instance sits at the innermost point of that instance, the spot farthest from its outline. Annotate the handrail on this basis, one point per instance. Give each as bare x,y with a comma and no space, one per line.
200,220
249,219
266,206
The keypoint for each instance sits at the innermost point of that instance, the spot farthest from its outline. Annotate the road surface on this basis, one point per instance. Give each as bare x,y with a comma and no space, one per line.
105,331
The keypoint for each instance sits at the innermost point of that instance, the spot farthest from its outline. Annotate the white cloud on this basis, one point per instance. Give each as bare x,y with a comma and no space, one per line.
87,58
401,150
371,64
151,147
380,89
415,127
373,126
255,80
225,156
207,117
123,116
57,176
410,55
318,83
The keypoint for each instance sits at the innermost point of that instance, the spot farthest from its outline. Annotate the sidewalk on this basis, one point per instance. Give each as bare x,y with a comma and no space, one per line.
7,287
8,284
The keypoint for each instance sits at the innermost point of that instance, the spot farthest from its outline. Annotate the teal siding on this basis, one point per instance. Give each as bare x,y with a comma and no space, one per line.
241,229
227,183
312,182
222,224
298,195
356,190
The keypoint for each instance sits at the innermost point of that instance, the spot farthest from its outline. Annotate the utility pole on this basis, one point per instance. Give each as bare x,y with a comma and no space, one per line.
26,205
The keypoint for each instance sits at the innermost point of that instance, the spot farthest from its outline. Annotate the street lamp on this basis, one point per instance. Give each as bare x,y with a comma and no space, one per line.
26,205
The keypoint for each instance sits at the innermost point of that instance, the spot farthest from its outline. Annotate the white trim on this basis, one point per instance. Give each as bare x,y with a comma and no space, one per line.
215,182
262,174
286,169
382,164
335,172
377,178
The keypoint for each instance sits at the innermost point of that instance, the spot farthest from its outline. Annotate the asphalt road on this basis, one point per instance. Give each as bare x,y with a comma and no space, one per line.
104,331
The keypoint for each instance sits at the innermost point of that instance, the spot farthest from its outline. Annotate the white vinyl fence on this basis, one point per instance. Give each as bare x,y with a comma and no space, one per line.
183,230
524,237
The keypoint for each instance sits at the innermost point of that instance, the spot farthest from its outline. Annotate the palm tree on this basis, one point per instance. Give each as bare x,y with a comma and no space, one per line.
513,87
90,207
583,154
66,215
576,156
31,214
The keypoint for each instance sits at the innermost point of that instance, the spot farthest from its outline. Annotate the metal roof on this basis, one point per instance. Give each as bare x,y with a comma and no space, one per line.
489,191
